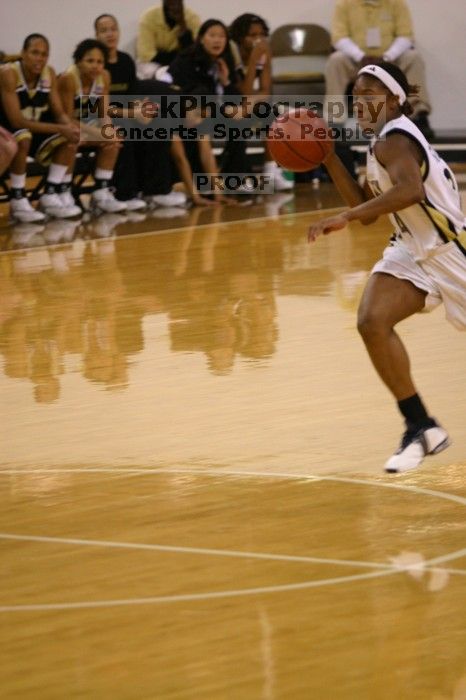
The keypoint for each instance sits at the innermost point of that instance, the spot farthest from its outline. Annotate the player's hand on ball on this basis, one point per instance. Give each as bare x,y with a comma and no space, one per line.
325,226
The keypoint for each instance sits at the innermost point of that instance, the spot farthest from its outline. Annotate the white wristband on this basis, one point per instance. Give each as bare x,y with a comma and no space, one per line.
398,47
350,49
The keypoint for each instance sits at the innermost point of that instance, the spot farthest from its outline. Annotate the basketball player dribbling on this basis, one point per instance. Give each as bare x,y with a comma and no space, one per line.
425,263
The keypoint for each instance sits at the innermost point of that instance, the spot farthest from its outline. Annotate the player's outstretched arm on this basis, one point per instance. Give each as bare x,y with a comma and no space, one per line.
402,160
351,192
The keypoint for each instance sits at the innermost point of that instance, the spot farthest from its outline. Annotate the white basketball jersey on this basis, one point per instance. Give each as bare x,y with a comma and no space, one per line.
436,220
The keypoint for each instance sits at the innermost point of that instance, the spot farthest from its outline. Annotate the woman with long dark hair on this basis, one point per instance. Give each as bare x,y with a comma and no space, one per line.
206,68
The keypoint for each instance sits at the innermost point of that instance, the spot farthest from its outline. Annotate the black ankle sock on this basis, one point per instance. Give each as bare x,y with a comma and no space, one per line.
101,184
414,412
51,187
17,193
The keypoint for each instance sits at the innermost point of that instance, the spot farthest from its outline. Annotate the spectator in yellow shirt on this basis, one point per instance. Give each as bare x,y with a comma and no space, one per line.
163,32
368,31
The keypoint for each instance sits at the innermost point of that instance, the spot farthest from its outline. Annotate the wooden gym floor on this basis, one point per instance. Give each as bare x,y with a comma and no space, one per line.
193,504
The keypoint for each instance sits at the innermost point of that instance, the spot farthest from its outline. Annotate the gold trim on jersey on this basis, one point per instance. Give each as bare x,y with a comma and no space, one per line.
33,112
81,100
97,87
462,239
44,82
47,148
22,135
443,225
118,88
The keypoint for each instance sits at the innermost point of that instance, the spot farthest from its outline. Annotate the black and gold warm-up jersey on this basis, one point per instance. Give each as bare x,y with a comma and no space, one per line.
123,80
438,219
82,102
34,102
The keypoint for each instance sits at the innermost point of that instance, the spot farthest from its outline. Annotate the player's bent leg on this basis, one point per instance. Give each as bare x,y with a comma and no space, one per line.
388,300
8,149
59,155
23,140
21,210
103,201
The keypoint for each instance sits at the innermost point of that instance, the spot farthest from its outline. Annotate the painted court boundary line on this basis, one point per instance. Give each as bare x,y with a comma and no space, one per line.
138,471
191,550
381,569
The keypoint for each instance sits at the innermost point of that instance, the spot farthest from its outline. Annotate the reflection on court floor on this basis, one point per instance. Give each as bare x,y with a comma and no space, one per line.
192,443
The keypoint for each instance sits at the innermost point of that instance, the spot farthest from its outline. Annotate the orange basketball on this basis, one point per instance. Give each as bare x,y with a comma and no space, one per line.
299,140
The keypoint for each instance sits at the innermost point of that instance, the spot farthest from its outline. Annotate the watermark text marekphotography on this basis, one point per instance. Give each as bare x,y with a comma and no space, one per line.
231,117
233,183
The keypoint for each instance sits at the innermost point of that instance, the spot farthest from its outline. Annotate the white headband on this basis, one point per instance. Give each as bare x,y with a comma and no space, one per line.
385,78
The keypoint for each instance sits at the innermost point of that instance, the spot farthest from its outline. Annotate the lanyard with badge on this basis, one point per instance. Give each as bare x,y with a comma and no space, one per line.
373,36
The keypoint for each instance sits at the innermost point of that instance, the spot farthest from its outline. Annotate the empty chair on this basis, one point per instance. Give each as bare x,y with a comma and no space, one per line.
299,53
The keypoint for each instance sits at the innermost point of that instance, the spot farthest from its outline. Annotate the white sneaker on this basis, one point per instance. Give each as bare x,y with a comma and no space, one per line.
60,231
172,199
104,226
135,204
70,205
415,446
280,183
27,235
274,202
168,212
22,211
52,205
135,217
103,201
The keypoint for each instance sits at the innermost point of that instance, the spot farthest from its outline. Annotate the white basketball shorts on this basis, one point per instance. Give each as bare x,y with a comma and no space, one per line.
442,275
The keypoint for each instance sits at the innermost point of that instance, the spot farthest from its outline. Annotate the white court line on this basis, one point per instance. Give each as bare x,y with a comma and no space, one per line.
382,569
239,473
233,553
194,550
210,595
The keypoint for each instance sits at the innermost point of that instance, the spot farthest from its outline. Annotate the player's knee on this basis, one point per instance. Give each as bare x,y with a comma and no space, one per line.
371,324
24,145
11,149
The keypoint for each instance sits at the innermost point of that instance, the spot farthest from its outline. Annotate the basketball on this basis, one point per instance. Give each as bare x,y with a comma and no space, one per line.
299,140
